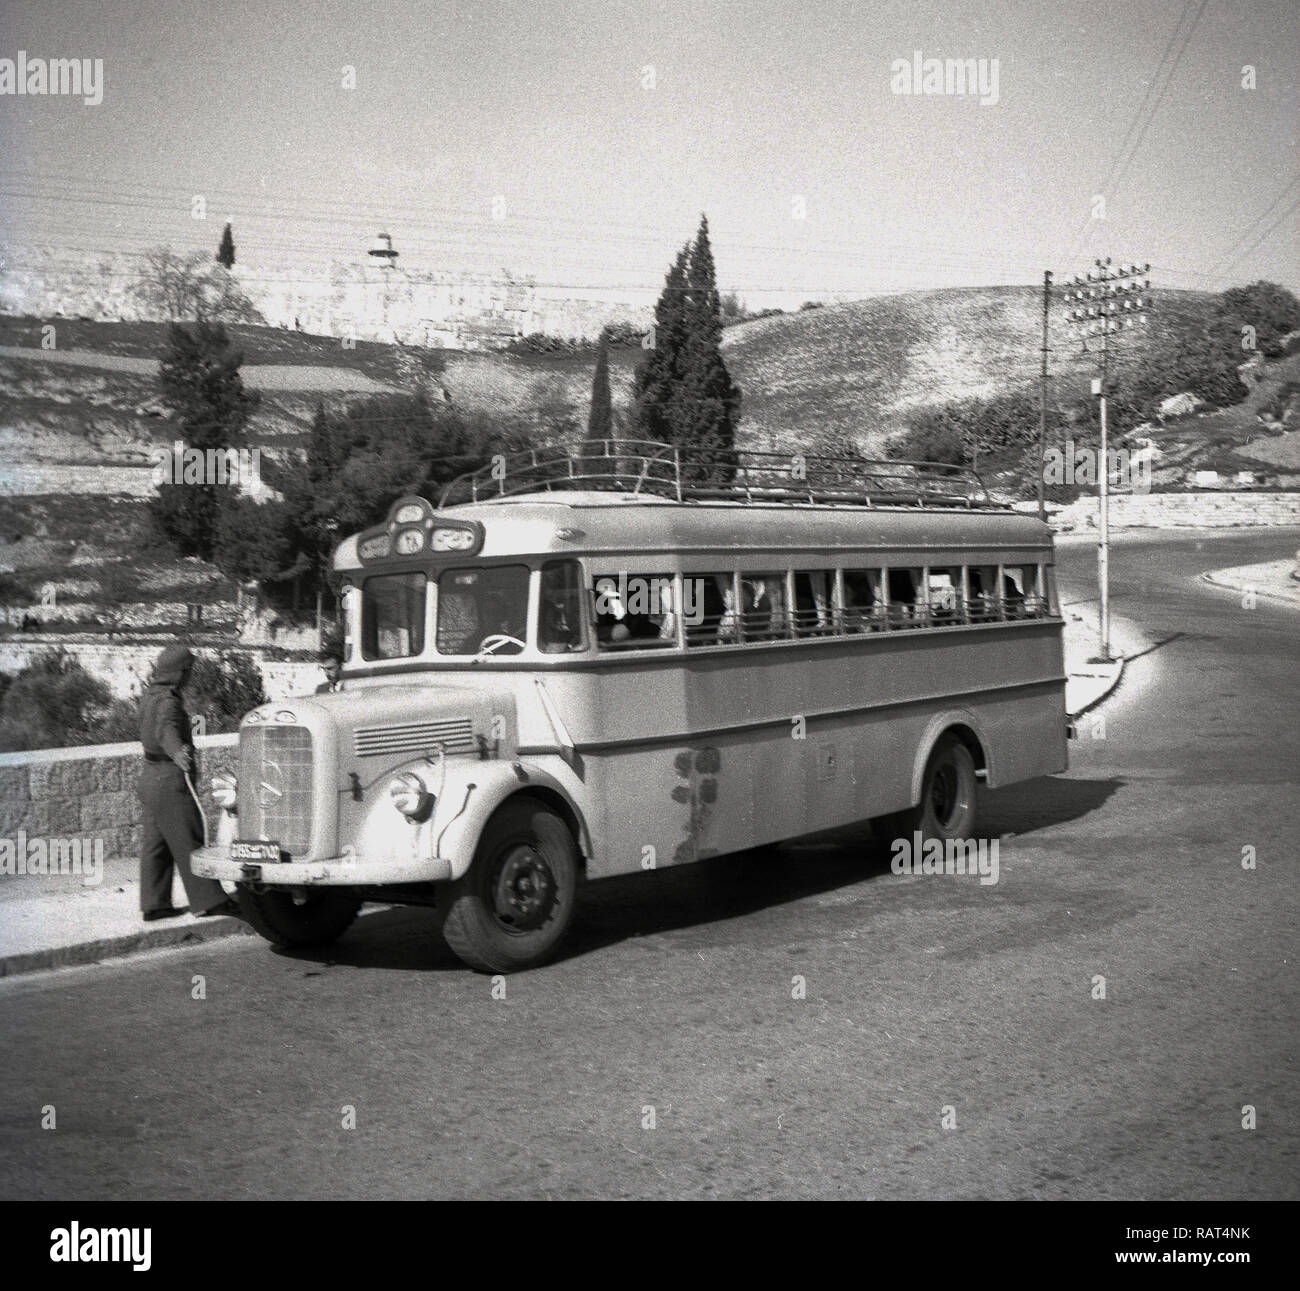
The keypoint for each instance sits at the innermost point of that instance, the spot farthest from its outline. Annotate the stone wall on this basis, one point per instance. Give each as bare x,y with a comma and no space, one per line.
89,792
357,298
1184,510
125,669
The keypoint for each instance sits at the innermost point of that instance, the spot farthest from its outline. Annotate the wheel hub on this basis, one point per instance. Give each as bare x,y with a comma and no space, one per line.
944,794
524,891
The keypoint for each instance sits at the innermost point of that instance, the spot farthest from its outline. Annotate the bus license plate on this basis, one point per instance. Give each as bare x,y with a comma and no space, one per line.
260,850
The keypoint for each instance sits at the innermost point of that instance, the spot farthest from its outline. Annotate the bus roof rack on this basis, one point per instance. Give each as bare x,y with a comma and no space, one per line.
721,475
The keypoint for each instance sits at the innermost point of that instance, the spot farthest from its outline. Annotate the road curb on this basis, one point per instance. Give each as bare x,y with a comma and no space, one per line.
1111,683
1211,576
92,952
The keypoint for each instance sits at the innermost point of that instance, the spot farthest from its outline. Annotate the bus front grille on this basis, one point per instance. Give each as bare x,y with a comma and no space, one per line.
456,735
275,785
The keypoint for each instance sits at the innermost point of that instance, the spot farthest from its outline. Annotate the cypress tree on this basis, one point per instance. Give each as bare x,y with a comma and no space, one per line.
226,251
200,383
710,398
657,413
685,394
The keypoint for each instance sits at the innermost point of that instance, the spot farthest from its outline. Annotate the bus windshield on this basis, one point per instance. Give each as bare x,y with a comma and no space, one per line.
392,616
485,608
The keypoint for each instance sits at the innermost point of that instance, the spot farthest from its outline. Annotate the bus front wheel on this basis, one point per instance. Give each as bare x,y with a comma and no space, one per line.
513,907
296,920
947,806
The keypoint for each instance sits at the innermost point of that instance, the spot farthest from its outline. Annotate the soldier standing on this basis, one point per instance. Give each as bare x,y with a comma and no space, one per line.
171,825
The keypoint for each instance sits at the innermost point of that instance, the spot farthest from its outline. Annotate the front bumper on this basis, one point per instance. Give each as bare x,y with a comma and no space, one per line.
332,871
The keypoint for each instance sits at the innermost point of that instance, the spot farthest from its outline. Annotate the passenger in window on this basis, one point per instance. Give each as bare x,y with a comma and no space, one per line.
862,608
634,611
811,604
943,596
708,609
668,624
728,627
611,615
764,607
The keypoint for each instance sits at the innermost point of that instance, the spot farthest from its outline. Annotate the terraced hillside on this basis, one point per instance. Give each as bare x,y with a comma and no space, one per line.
80,425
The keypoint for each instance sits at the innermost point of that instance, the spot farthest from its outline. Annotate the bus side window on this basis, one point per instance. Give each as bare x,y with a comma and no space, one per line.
983,593
1022,591
392,616
560,610
864,609
1014,604
708,609
634,611
945,598
813,611
904,586
763,615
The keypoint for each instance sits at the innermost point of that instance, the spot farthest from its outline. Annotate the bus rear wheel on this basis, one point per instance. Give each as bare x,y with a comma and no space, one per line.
513,907
947,806
296,920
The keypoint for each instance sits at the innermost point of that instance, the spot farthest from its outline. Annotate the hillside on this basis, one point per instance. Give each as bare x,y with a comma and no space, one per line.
859,368
79,426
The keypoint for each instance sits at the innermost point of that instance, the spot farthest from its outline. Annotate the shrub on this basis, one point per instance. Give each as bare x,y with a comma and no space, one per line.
1271,310
949,432
52,703
223,689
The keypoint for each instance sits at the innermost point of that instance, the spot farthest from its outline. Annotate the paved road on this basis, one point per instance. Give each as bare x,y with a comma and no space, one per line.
921,994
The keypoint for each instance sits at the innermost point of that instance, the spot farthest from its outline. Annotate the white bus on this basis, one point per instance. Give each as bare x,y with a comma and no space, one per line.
611,659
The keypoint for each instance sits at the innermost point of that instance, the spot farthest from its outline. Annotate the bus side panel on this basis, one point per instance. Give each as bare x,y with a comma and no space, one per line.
757,751
660,805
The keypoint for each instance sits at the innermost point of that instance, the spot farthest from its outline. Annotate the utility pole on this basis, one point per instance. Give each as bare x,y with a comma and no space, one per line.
1042,399
1116,305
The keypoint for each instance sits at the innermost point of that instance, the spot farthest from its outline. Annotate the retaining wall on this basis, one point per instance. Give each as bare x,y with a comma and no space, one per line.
89,792
1185,510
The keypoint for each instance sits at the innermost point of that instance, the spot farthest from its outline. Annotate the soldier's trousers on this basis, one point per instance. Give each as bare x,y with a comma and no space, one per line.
171,830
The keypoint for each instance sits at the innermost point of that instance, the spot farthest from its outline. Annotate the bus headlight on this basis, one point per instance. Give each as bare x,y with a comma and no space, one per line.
407,793
224,791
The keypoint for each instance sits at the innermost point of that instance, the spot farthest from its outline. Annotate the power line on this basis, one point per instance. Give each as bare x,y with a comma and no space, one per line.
1271,228
1124,154
1230,255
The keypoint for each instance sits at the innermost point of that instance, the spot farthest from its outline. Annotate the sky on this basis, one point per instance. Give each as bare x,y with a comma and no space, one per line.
579,141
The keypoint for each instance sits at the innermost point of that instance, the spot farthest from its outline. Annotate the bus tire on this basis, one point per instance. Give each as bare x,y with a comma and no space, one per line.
296,921
947,806
514,905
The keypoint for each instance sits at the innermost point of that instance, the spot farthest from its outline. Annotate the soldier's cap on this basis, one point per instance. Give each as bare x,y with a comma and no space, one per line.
171,665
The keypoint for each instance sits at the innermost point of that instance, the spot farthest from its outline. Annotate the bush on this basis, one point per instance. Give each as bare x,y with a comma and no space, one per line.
935,435
223,689
949,432
1271,310
620,336
52,703
541,343
1276,406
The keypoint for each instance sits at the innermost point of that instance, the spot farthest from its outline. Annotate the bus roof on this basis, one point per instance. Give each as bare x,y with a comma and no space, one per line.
600,522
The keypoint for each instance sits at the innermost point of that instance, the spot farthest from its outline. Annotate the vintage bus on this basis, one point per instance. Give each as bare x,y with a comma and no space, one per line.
611,659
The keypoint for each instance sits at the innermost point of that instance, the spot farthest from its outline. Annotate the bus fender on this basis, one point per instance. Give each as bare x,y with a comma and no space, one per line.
934,728
470,797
